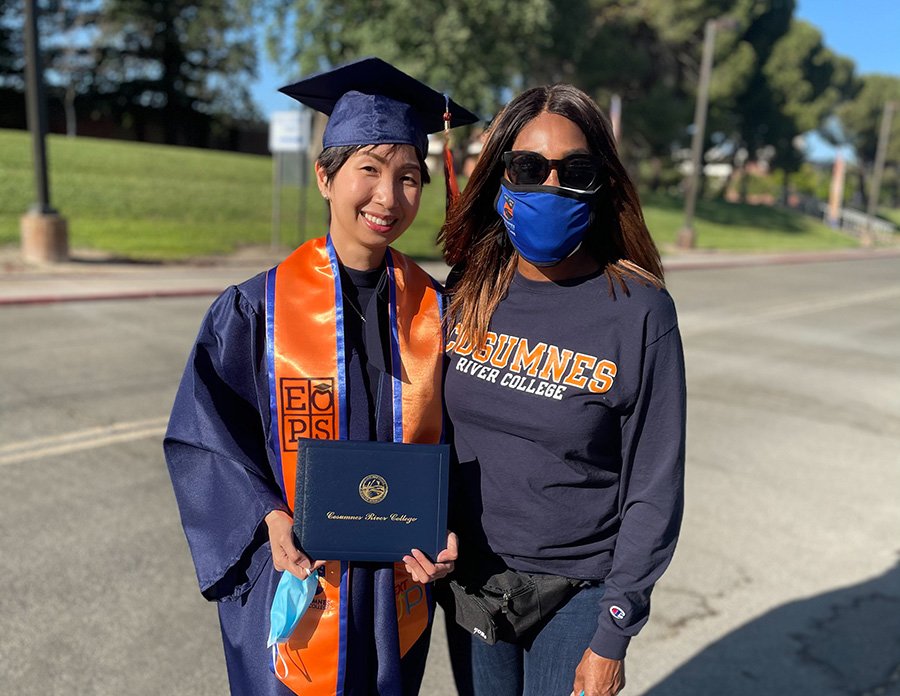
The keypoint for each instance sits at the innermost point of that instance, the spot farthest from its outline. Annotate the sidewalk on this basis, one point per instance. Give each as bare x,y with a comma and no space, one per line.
89,278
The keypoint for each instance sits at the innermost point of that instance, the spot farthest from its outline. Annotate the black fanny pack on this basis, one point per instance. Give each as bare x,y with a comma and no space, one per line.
504,605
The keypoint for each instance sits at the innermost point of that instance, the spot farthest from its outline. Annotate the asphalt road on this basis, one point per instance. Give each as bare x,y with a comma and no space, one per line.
786,581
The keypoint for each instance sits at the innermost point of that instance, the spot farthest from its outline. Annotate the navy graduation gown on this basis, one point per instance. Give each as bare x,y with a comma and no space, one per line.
222,472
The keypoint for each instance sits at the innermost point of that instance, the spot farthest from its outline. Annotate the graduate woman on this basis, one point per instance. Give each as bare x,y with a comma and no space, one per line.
342,340
566,393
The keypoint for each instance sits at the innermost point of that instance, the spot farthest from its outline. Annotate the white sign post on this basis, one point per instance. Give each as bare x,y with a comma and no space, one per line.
289,132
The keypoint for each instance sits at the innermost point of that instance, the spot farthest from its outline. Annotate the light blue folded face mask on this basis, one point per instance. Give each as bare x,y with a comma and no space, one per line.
292,598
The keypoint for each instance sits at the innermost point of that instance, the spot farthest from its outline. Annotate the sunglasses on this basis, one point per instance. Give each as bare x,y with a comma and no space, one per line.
579,172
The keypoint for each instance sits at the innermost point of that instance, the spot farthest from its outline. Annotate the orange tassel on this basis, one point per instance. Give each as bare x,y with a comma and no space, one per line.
450,177
449,170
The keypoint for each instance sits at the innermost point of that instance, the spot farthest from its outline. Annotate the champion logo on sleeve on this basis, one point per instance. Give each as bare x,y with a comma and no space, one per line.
617,612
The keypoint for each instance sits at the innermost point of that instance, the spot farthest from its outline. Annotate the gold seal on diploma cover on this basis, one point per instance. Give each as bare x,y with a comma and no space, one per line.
373,488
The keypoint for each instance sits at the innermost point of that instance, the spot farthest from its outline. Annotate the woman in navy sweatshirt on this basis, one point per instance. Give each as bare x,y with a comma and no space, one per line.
565,388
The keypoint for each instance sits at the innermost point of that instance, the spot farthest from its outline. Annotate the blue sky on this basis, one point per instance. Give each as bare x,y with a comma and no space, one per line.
866,31
265,89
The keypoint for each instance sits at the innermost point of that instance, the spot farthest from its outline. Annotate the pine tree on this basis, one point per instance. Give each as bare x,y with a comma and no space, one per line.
186,60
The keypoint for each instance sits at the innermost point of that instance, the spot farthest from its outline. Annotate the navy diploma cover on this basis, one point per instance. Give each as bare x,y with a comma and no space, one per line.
370,501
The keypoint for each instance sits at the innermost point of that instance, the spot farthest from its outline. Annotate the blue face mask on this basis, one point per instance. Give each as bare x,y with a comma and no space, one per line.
292,599
544,223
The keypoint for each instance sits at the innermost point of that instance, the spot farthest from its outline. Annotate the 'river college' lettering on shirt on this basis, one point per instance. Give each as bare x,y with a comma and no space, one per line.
543,369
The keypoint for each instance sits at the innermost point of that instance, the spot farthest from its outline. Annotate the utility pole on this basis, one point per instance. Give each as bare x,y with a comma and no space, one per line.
44,232
836,191
615,117
687,237
884,135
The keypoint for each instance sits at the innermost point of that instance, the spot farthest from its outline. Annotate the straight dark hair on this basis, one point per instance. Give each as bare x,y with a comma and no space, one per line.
474,238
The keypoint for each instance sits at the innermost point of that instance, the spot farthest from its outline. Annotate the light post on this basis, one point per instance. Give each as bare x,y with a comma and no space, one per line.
884,135
687,237
44,233
615,117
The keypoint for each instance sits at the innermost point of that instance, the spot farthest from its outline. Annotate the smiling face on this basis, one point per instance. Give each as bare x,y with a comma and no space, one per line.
374,198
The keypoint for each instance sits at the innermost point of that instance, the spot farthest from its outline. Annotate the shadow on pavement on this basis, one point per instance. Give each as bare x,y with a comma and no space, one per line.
842,642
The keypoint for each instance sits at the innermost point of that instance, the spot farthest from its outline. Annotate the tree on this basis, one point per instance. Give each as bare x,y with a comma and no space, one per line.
64,31
807,82
68,32
12,48
485,50
649,53
861,122
12,82
184,59
791,85
474,49
773,78
861,116
605,48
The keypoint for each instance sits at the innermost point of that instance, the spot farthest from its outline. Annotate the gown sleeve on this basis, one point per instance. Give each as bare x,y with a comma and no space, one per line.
216,450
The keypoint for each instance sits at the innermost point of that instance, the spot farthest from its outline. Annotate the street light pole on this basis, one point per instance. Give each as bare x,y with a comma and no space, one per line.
44,232
615,117
687,237
37,109
884,135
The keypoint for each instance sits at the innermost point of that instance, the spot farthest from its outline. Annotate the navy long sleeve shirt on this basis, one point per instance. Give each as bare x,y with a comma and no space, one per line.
569,428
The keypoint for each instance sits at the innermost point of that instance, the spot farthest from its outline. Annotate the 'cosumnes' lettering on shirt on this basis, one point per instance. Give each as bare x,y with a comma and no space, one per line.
532,366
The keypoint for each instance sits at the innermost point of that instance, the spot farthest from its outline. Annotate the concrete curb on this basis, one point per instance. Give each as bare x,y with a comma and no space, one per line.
693,263
100,297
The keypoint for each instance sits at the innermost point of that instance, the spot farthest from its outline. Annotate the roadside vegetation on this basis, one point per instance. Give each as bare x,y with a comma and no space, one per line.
892,214
153,202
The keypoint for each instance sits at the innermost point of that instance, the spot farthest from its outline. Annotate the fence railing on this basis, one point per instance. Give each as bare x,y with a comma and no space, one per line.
857,224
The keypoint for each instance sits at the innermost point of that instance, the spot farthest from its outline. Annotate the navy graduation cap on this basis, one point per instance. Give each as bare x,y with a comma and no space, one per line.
370,102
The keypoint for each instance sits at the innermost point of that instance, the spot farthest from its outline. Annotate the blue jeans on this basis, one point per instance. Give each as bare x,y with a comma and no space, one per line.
543,665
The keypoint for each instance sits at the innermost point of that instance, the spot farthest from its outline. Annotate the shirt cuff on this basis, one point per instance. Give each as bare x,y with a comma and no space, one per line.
609,645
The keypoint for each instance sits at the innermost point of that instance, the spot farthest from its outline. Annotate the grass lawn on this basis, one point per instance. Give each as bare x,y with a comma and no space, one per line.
892,214
741,227
145,201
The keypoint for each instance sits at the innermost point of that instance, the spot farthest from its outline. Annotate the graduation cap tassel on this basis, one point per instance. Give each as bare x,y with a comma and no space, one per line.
449,170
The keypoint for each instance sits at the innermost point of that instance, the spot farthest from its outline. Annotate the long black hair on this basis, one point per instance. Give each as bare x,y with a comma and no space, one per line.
474,238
